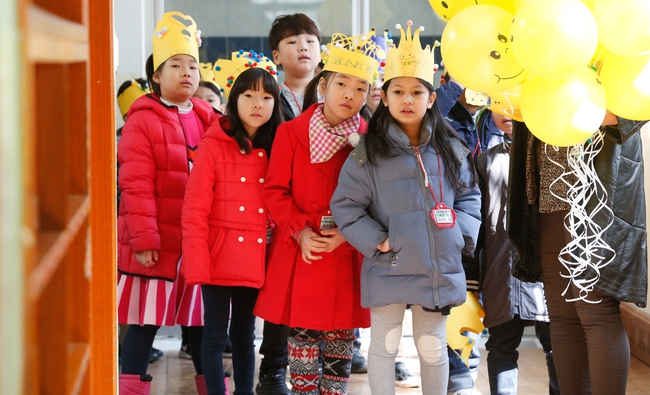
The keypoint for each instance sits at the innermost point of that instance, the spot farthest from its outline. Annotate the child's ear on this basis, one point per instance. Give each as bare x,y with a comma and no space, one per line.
276,57
432,99
383,98
321,86
156,77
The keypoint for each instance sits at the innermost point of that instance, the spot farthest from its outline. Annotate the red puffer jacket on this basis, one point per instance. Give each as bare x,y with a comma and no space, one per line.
153,160
224,217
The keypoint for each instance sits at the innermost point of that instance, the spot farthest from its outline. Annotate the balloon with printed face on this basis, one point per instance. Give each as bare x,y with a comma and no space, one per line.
623,26
446,9
554,38
476,49
627,84
564,112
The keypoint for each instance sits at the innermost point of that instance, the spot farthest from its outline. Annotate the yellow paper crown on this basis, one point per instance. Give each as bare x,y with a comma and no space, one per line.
467,317
353,55
409,59
207,74
175,34
226,71
128,96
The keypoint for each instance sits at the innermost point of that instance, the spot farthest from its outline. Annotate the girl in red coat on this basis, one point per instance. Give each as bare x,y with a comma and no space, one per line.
225,224
155,155
313,274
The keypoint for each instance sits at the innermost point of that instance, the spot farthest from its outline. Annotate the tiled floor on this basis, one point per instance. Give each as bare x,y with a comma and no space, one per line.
173,376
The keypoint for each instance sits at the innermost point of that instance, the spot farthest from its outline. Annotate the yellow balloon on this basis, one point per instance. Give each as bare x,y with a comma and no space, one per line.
507,103
564,112
446,9
476,49
623,26
554,38
627,83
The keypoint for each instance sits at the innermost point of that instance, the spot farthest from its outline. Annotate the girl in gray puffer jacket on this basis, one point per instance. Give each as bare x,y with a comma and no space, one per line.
408,201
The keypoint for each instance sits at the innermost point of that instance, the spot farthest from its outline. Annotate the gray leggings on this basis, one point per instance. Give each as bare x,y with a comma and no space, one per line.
430,339
590,346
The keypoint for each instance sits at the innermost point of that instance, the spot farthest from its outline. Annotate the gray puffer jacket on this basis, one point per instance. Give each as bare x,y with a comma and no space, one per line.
389,200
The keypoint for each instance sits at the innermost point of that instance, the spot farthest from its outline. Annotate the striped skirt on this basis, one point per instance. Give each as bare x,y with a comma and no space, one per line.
143,301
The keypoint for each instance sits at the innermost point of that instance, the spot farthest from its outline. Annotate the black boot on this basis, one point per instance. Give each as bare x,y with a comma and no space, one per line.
273,383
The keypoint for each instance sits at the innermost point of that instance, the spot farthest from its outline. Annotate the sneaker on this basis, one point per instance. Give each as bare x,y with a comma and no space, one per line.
359,363
155,355
273,383
404,378
184,352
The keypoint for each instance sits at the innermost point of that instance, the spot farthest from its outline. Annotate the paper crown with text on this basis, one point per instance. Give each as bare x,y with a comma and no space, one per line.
130,95
226,71
207,74
175,34
353,55
409,59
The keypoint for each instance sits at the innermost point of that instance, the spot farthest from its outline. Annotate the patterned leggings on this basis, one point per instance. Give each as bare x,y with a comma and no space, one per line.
303,361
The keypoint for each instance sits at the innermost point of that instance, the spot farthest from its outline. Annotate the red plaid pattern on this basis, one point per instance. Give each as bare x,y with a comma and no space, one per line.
324,140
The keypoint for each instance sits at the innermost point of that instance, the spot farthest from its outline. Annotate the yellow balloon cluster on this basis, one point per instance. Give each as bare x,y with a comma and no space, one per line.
558,65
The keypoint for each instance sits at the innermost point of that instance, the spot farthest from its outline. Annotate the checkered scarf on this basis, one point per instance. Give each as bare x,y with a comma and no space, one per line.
324,140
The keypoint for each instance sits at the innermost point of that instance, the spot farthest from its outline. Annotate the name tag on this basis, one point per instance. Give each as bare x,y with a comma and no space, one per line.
443,216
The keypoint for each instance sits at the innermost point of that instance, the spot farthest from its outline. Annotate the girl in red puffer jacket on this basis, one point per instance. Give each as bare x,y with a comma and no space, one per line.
225,224
155,155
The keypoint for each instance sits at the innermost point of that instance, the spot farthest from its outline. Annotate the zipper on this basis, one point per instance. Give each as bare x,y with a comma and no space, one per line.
434,266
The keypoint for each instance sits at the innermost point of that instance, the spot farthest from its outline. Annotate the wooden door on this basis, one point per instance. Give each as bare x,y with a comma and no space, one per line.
69,197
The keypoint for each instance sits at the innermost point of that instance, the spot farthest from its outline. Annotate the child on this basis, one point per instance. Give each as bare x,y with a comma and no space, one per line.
510,304
154,156
408,202
209,90
313,275
225,224
295,42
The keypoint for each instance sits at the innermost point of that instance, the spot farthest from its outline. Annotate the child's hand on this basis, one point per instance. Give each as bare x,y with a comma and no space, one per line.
147,258
310,242
333,239
384,247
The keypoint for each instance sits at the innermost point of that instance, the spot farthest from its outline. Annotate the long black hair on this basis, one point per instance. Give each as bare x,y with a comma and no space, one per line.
254,78
377,143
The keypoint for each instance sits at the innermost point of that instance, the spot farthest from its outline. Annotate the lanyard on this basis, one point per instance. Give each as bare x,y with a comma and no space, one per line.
426,178
442,215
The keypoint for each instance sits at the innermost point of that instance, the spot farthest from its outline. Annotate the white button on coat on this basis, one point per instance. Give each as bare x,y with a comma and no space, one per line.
241,208
260,241
261,210
261,180
240,239
243,179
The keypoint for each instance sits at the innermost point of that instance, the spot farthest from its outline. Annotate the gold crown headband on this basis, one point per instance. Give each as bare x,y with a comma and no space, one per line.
408,59
175,34
353,55
226,71
207,74
130,95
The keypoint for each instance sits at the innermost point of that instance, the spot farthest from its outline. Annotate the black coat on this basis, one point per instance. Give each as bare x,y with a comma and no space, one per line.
620,169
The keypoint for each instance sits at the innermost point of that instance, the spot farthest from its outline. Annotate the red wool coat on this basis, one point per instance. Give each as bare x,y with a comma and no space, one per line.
224,217
325,294
152,154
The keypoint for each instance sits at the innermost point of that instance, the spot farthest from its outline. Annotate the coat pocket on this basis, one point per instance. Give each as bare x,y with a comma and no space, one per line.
408,237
